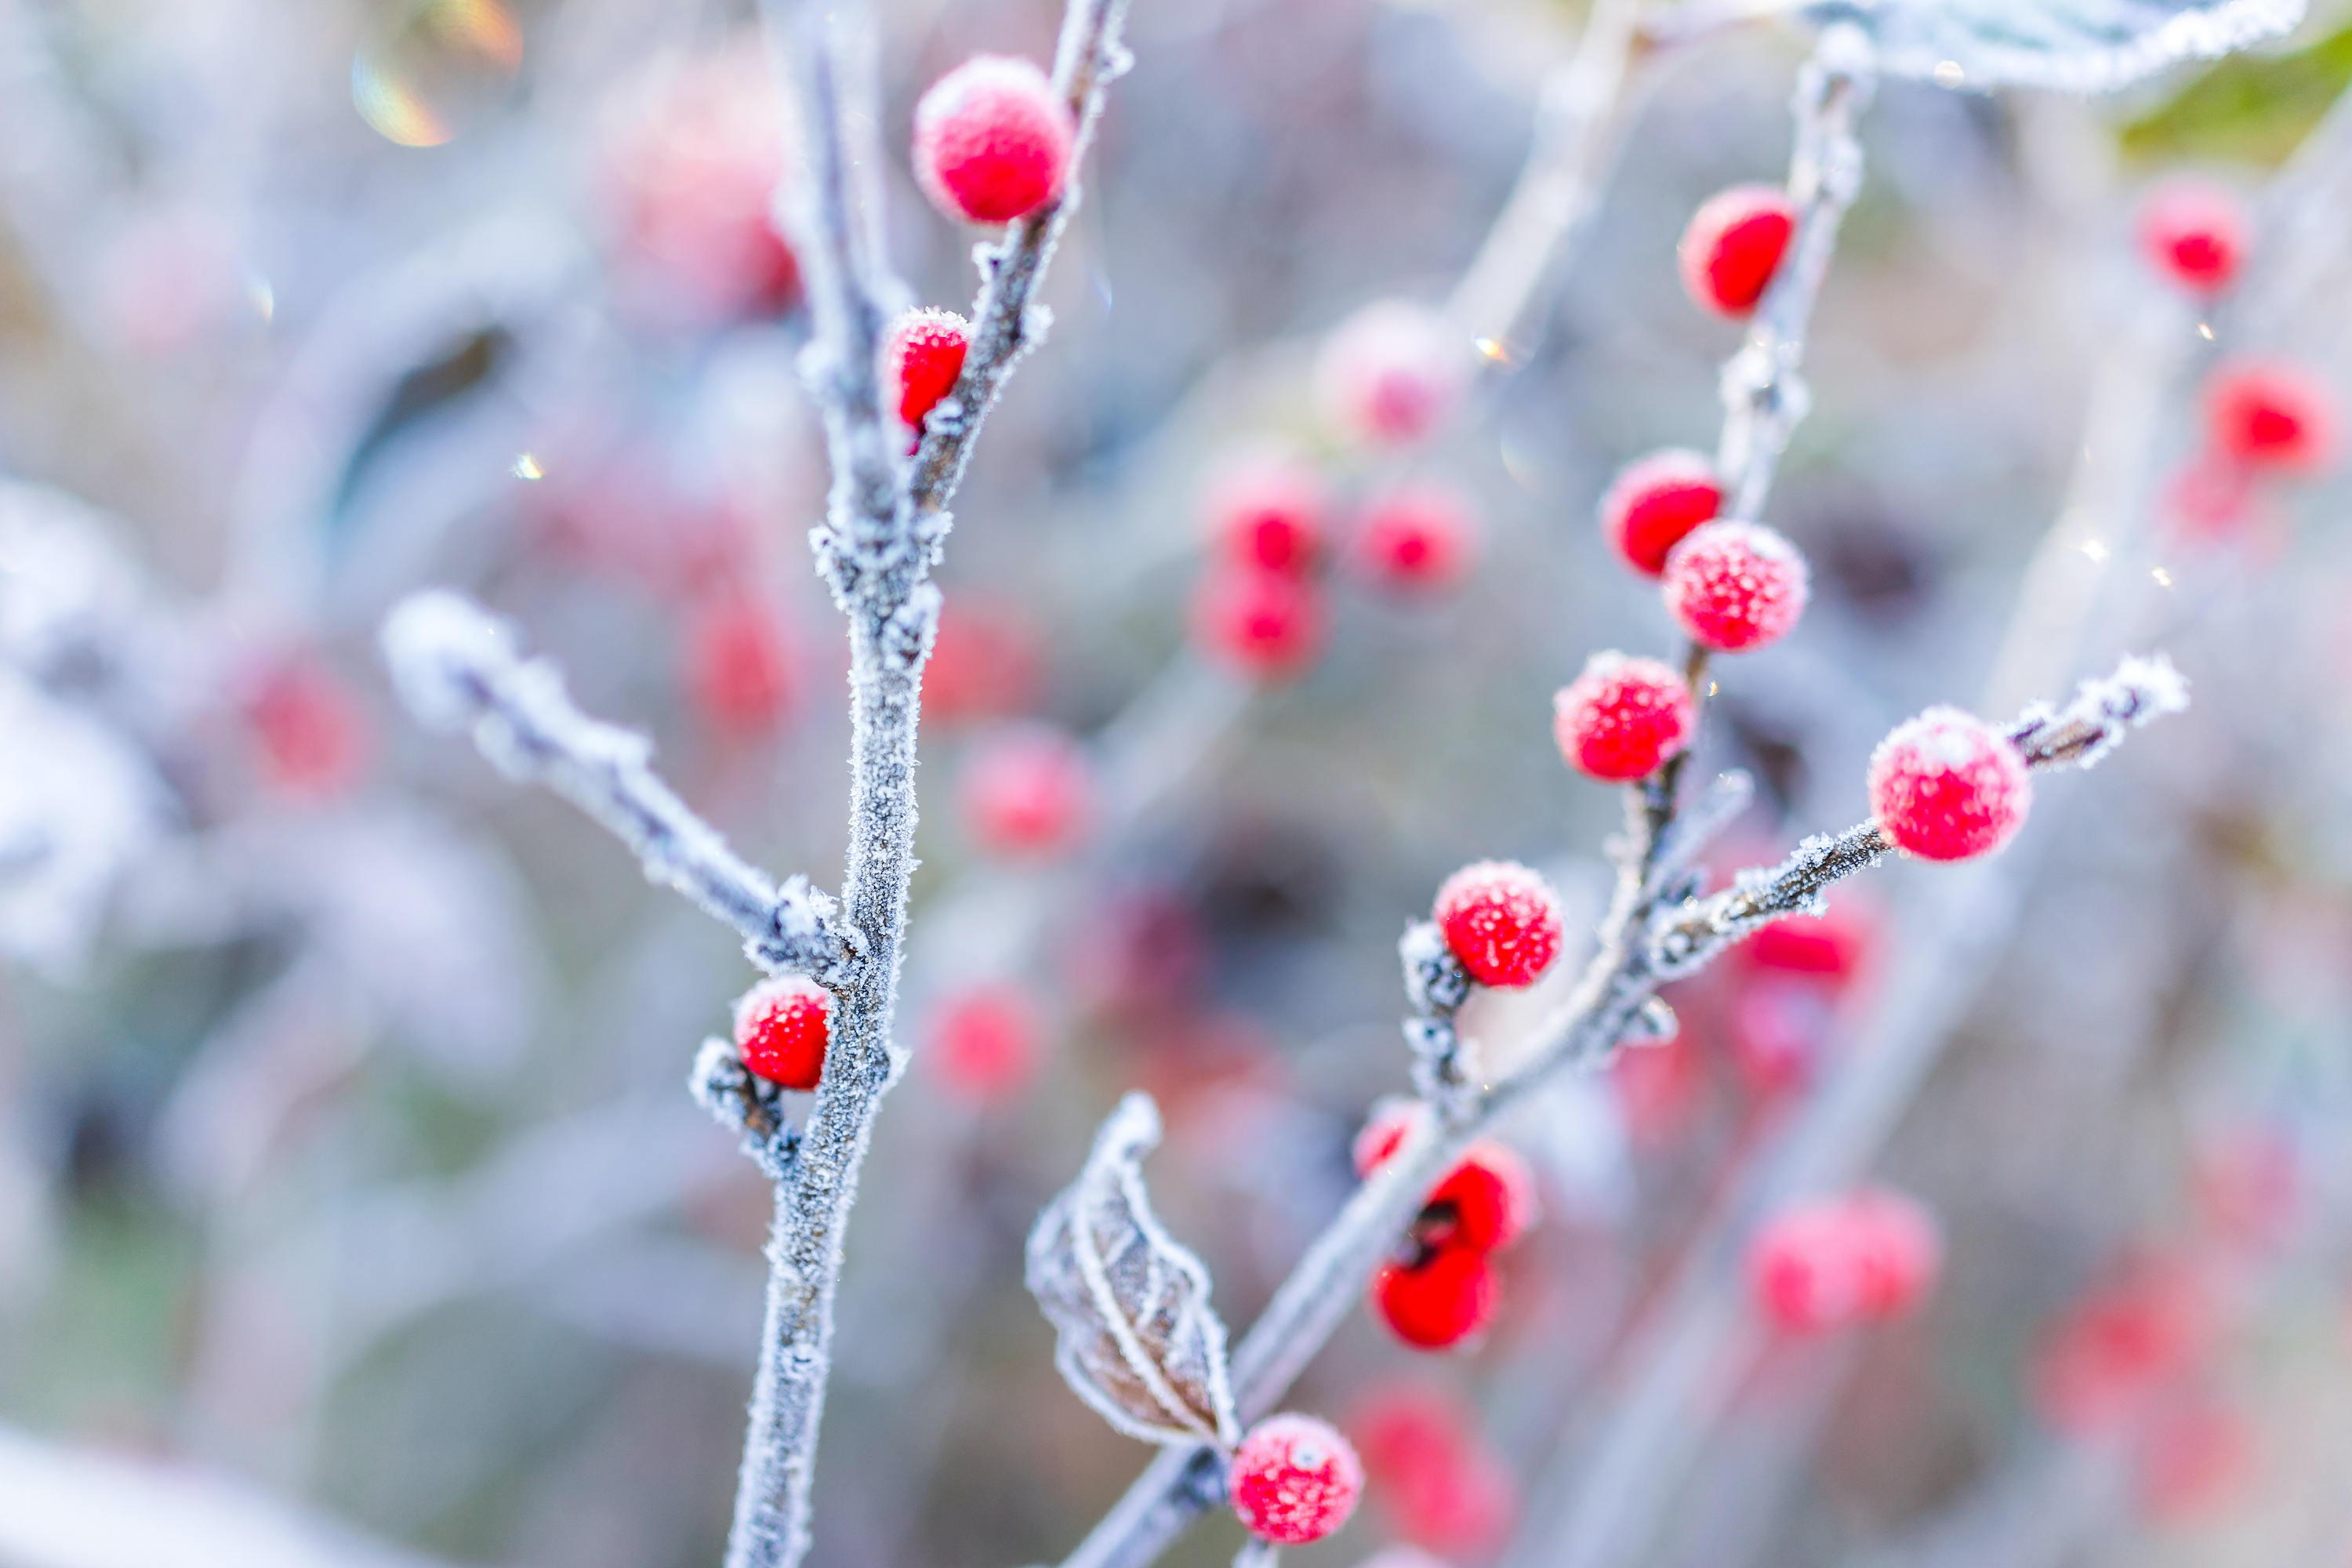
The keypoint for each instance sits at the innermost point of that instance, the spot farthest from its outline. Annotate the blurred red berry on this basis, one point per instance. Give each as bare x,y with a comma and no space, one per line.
1804,1269
781,1029
1418,537
1441,1485
1832,944
1734,246
921,356
314,739
1383,1132
2211,497
1392,372
1736,586
1028,789
1294,1479
738,669
1486,1204
2269,414
985,663
986,1040
1947,786
1501,921
2194,1461
993,140
1654,501
1267,625
2194,232
1266,511
1440,1299
1900,1249
1622,717
2106,1358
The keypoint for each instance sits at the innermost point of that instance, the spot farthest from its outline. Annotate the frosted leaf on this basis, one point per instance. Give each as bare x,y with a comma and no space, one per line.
1136,1337
2075,46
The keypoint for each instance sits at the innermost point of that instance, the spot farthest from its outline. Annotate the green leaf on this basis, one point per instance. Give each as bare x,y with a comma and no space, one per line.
2246,108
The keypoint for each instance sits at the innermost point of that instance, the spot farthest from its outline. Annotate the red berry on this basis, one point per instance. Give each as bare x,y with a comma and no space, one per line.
2194,233
1734,245
921,357
1948,786
2209,497
1442,1486
1266,511
1028,790
737,665
993,140
1418,537
1487,1204
2195,1461
2109,1355
1439,1300
1654,501
1622,717
314,738
1383,1132
1736,586
1900,1248
2271,415
1804,1269
781,1028
1294,1479
1267,625
1832,944
986,1040
1392,372
984,663
1501,919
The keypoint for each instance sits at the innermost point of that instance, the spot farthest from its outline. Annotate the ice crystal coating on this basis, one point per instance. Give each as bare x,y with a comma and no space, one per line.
1438,1300
992,139
1622,717
1028,789
1264,624
1294,1479
1266,511
1946,786
782,1027
2194,232
1136,1336
2101,711
1736,586
2270,413
1501,919
1390,372
1733,246
1654,501
921,356
2074,46
1418,538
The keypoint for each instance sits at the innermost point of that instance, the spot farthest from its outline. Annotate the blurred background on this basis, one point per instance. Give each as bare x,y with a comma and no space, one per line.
352,1209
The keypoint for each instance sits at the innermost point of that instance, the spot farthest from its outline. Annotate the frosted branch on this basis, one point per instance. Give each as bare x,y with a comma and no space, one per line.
457,670
2103,711
743,1101
1764,393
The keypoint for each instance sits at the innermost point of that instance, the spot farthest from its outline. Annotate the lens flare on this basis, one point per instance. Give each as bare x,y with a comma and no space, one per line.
434,68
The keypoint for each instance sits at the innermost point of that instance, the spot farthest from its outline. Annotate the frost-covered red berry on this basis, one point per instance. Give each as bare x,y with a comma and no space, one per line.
781,1029
1736,586
992,139
1267,512
1383,1132
986,1041
2269,414
1484,1205
1501,919
1418,537
1622,717
2194,232
738,667
1294,1479
1734,245
1028,789
921,357
1266,625
1392,372
1654,501
1440,1299
1948,786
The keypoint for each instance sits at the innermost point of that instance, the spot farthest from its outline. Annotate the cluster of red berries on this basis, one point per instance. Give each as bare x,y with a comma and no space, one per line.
1294,1479
781,1027
1260,606
1837,1262
1445,1289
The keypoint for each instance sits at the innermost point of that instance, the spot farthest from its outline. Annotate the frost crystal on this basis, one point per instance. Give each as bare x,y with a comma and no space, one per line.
2075,46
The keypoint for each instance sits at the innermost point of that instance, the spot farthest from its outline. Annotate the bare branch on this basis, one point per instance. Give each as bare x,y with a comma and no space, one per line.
740,1099
457,667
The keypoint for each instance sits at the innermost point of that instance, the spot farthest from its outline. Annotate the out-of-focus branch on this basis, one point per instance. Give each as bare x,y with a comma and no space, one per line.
457,670
1764,393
